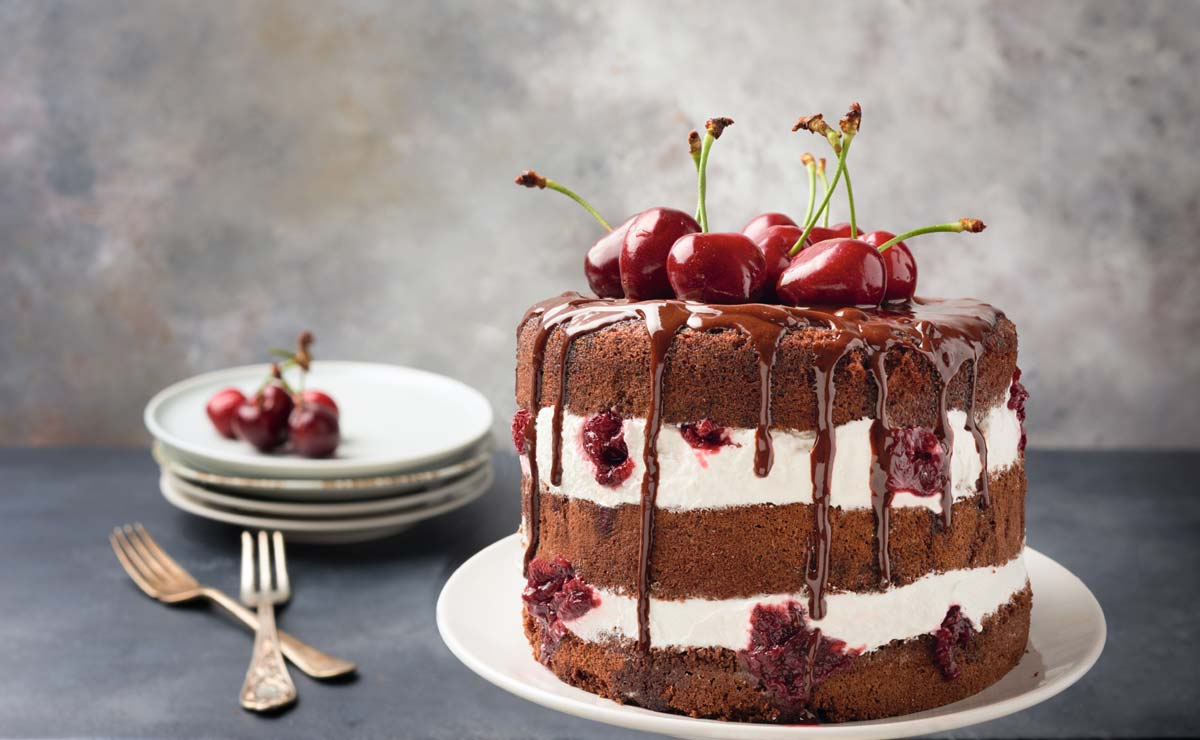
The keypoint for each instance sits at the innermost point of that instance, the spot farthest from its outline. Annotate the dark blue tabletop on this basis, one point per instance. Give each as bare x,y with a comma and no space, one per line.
83,653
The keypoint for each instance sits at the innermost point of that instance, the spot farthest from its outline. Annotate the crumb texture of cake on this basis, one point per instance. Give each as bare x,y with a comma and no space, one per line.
767,513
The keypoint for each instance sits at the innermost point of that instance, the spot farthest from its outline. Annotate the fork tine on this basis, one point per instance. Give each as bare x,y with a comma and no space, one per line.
282,585
149,574
264,564
248,570
158,554
131,569
144,554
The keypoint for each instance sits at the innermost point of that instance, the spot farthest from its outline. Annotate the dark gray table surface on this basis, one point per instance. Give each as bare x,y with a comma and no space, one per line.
83,653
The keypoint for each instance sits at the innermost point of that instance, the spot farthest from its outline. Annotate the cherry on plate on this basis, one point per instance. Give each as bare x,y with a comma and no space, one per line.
314,430
313,396
222,408
263,420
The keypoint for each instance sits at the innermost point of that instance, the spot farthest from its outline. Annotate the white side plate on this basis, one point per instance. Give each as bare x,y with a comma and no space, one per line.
333,509
393,419
1066,636
329,531
325,490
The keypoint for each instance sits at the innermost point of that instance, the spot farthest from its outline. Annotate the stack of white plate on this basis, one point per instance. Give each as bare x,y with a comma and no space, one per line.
414,445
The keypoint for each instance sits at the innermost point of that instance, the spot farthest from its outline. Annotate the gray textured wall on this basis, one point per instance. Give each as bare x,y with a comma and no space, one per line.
182,183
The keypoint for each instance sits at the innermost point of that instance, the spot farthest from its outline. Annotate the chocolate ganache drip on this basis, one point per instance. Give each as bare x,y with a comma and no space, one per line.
947,333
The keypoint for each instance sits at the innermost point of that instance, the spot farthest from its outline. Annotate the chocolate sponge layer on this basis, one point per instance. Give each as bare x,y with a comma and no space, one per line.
715,375
748,550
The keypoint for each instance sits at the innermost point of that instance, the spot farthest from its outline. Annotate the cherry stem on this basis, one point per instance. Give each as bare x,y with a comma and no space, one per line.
828,194
694,147
275,372
713,127
532,179
825,184
969,225
701,170
850,200
811,165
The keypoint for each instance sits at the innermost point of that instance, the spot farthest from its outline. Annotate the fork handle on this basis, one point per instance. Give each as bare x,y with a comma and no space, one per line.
267,685
304,656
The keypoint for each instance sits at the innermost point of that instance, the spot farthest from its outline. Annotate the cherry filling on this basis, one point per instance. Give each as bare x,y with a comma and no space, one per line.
788,656
956,631
520,422
554,594
706,435
917,462
1016,401
604,443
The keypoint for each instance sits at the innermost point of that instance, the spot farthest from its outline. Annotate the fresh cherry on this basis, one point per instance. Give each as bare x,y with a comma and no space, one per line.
820,234
222,408
312,396
841,272
842,229
901,267
314,430
716,268
758,225
602,264
263,420
648,241
837,231
775,243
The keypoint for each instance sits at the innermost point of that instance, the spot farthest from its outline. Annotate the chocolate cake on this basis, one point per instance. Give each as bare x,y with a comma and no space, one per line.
762,481
770,513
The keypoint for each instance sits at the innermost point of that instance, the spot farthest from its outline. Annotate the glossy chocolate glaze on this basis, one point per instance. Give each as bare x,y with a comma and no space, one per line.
949,333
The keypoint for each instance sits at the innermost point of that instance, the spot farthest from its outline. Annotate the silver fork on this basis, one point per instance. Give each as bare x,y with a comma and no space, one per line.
268,685
161,578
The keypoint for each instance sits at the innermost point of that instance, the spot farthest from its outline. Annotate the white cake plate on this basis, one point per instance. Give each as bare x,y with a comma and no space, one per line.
1066,636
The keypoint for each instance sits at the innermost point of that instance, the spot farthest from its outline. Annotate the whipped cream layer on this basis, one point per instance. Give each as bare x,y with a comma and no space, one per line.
700,479
865,621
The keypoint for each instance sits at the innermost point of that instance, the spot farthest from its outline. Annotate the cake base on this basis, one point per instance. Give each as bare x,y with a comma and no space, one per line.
713,683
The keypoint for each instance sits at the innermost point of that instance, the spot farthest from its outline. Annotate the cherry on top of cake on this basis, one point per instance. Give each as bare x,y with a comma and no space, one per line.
664,253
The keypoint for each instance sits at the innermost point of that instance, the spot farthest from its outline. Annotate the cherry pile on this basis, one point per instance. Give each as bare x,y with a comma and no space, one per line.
554,594
789,656
604,443
277,414
956,632
918,461
664,253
